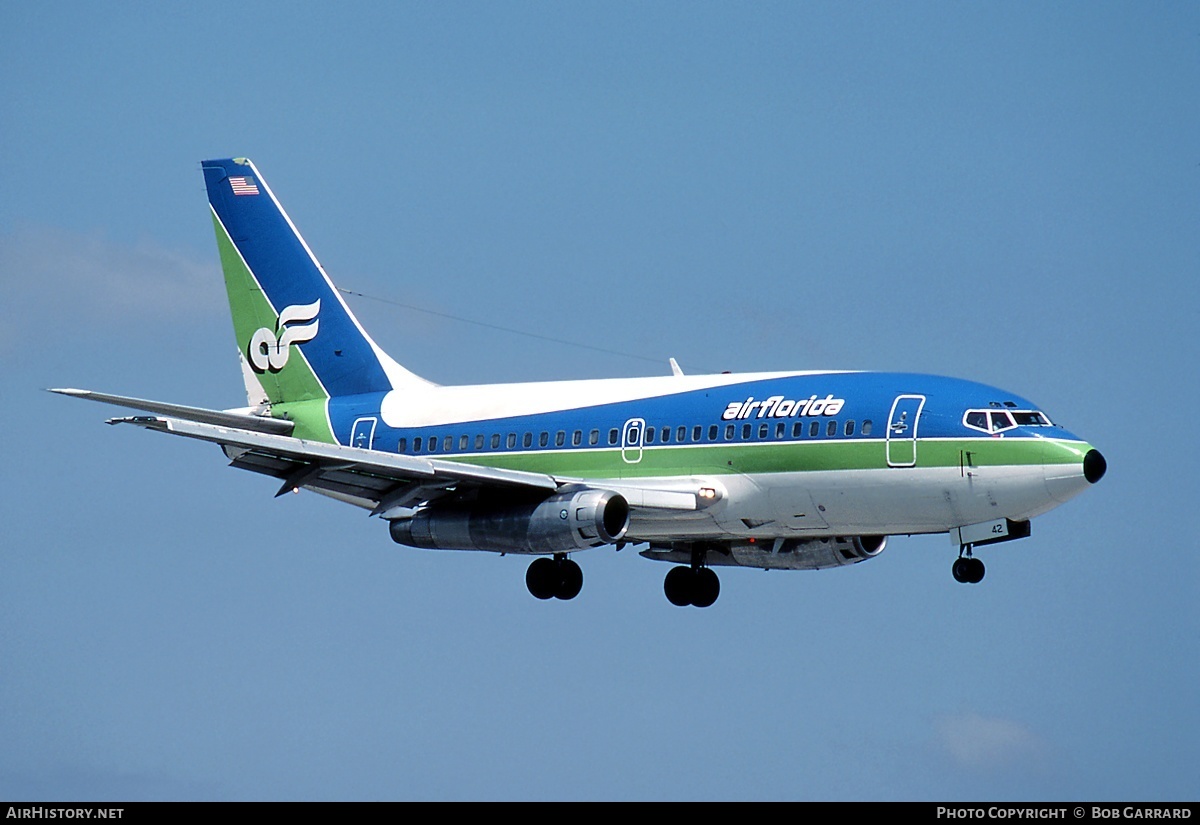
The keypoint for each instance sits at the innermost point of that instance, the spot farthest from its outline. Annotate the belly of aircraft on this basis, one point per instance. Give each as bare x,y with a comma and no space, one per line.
888,501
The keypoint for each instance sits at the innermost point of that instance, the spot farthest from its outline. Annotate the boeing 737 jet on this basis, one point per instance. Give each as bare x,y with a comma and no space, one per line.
776,470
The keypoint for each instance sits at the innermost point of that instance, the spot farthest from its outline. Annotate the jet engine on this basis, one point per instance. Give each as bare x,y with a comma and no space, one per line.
569,520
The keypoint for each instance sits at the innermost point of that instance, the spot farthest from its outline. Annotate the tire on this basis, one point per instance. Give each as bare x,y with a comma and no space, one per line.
975,571
570,580
706,587
961,570
542,579
678,586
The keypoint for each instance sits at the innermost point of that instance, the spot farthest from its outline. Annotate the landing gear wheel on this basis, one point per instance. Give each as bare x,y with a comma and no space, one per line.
542,578
975,571
696,586
678,586
968,570
705,587
556,578
960,570
570,579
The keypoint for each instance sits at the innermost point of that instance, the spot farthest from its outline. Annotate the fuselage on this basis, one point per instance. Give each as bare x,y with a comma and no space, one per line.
783,454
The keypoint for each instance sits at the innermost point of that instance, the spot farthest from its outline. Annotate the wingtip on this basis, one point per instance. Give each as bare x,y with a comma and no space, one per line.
68,391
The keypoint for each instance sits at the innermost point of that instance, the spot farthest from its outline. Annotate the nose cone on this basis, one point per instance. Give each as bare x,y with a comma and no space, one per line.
1070,468
1094,466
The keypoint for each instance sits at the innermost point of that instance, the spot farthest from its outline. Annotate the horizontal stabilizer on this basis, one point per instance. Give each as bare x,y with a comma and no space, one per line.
224,418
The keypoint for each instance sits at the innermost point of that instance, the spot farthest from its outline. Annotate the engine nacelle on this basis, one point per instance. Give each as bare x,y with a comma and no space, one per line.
569,520
776,554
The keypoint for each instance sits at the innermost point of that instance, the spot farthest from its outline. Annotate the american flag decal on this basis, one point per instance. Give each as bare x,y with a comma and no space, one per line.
243,186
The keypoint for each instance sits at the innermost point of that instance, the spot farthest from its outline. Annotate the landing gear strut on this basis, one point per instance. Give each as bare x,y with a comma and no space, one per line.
967,569
556,578
696,585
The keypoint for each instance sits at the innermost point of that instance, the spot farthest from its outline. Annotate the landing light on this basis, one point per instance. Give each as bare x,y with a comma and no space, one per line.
707,493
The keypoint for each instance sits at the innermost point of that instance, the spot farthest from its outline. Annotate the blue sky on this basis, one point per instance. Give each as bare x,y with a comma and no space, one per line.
1002,192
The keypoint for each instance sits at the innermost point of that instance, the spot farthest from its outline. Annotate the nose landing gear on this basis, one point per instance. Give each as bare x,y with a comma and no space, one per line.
967,569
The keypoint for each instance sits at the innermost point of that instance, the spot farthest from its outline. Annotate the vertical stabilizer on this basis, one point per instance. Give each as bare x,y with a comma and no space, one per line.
296,334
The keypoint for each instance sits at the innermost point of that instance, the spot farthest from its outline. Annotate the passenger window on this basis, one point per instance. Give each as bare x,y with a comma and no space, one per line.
512,440
814,429
729,432
402,445
866,428
681,434
696,431
495,441
649,434
527,440
462,443
712,432
560,438
417,444
479,442
780,430
762,430
633,435
576,438
746,428
666,435
594,436
831,428
849,429
433,443
543,439
797,429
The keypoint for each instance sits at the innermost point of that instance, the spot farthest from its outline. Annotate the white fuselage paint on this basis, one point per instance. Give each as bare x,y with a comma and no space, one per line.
434,405
887,501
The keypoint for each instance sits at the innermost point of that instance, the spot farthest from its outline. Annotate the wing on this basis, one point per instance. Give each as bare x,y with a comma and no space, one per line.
383,483
366,478
376,481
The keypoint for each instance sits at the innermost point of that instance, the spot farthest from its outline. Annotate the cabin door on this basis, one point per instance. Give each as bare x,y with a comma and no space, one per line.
632,435
363,434
902,430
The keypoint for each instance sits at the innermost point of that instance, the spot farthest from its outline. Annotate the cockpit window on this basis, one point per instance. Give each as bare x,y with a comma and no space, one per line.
996,421
1031,418
1001,421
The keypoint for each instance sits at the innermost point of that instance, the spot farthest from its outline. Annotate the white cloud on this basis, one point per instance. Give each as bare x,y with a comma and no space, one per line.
987,742
50,275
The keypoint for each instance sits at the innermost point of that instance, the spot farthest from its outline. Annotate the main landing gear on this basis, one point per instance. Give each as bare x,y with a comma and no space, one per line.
698,586
967,569
556,578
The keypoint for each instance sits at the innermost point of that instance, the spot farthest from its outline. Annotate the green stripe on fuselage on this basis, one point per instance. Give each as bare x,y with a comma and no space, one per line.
779,457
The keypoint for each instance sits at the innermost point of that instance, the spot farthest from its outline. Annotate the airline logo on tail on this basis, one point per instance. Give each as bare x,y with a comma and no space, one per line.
269,348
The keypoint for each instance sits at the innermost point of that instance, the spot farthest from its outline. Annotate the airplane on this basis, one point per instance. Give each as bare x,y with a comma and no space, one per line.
801,470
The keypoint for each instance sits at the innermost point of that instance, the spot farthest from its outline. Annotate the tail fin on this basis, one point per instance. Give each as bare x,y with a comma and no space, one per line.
296,334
